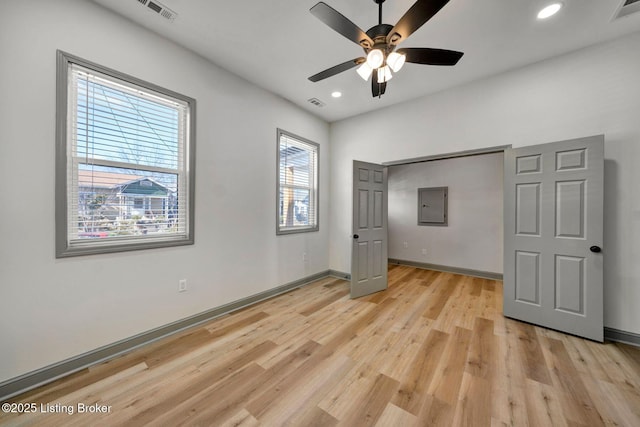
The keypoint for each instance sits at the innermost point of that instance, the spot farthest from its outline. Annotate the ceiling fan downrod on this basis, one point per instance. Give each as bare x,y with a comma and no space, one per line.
379,2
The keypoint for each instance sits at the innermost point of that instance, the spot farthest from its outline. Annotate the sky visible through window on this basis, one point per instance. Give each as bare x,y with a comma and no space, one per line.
118,126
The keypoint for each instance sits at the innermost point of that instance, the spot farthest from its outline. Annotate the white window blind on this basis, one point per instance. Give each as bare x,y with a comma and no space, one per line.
127,165
297,208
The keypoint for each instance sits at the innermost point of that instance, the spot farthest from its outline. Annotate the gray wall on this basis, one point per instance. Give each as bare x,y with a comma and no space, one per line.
473,237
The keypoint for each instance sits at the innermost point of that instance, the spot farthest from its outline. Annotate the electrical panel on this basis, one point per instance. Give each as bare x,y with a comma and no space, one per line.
432,206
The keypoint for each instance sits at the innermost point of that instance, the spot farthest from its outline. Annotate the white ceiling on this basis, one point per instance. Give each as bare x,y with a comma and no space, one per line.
277,44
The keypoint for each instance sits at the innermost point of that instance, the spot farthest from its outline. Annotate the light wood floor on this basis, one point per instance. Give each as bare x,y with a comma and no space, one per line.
434,349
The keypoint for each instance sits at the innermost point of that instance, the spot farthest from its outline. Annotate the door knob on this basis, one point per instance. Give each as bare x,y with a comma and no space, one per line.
355,236
595,249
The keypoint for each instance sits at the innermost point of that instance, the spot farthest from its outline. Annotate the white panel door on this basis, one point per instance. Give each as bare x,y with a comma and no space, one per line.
553,235
369,250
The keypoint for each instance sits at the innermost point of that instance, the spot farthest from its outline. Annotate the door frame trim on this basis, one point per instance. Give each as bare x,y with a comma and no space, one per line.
452,155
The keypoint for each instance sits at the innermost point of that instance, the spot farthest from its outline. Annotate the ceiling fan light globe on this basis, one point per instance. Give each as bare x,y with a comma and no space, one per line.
384,74
364,71
550,10
375,58
396,60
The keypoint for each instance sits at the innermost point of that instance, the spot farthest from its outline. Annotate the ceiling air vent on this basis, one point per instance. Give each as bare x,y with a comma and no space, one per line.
159,8
316,102
627,8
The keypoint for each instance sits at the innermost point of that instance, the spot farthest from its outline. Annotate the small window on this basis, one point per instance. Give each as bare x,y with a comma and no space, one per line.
297,199
124,162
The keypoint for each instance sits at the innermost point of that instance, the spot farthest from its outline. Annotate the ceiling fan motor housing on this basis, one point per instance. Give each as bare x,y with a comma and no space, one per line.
379,34
379,31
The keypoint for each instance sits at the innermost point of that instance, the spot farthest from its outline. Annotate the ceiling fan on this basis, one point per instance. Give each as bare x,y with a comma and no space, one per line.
380,41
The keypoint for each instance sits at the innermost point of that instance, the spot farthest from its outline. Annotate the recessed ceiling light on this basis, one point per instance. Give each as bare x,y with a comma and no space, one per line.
336,94
549,10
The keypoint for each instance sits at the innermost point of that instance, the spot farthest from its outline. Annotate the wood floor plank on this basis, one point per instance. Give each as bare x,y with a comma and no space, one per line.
378,397
448,375
544,408
353,388
213,405
375,298
419,373
436,414
447,285
576,402
474,406
317,305
508,403
297,404
393,416
605,397
486,304
314,417
343,333
406,345
583,359
453,313
379,345
218,332
500,322
241,419
413,307
481,359
633,354
475,288
531,353
198,386
271,392
432,350
622,370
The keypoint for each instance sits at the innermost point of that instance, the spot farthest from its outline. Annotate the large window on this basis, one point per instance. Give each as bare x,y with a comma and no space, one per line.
124,162
297,201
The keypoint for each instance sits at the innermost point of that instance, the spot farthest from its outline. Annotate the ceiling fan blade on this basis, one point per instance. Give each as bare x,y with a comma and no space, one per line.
336,69
377,89
428,56
418,14
341,24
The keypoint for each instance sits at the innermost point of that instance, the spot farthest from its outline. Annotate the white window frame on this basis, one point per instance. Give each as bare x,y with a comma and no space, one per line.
314,189
66,244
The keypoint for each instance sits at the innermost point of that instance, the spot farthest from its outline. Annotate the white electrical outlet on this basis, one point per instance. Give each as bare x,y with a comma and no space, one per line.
182,285
405,244
304,257
424,251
